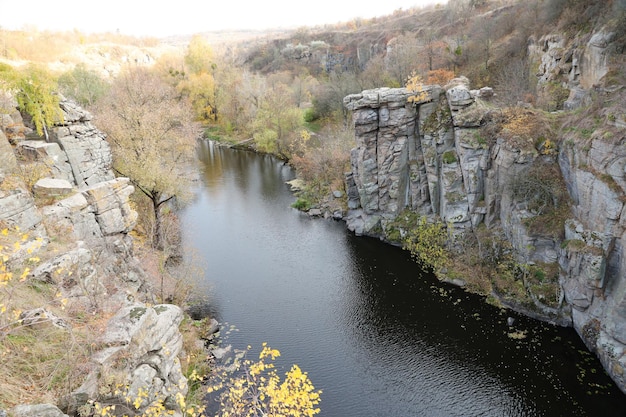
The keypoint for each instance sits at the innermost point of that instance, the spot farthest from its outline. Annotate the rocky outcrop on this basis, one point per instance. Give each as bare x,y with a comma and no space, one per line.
429,157
385,175
88,154
147,337
593,263
63,195
574,65
433,158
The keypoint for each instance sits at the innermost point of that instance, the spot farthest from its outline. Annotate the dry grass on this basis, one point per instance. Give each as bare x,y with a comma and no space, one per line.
42,364
40,361
522,128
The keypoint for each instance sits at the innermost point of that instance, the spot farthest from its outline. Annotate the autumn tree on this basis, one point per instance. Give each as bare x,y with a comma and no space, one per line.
328,97
514,82
301,87
171,67
200,88
456,51
459,10
199,83
238,108
199,56
152,136
415,86
439,76
36,91
486,38
376,75
83,85
277,118
322,161
432,50
403,57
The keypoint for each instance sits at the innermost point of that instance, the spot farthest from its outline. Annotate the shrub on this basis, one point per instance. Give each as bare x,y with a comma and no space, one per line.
83,85
449,157
310,115
302,204
254,388
321,161
544,191
427,243
266,141
439,76
553,95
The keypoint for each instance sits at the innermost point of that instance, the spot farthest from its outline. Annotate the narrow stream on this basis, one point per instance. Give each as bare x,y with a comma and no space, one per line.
377,335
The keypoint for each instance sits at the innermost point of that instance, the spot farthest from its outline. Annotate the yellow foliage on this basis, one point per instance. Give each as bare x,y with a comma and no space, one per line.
415,86
156,408
548,148
439,76
254,389
11,243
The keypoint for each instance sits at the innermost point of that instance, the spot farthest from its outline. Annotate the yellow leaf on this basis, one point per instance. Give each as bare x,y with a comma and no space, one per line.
24,274
5,232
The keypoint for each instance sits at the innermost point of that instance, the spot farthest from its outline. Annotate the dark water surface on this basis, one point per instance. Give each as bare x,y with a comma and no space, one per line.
377,335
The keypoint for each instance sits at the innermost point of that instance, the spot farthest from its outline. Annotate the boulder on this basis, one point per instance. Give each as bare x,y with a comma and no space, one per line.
50,187
37,410
149,340
36,317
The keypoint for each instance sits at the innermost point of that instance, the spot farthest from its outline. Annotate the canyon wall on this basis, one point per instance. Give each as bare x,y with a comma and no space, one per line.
75,216
438,158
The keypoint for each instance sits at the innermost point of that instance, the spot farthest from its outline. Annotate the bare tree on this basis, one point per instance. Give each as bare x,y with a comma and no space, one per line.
513,83
152,136
402,57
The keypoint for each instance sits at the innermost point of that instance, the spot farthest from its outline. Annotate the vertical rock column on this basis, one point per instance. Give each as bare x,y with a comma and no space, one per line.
385,162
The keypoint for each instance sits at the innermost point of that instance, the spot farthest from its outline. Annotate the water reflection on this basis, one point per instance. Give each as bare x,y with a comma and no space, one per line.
379,337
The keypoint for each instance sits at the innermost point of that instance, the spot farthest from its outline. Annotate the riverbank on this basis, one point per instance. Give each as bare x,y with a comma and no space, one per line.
87,313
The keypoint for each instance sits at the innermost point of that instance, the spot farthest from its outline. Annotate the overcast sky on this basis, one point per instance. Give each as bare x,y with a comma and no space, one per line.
174,17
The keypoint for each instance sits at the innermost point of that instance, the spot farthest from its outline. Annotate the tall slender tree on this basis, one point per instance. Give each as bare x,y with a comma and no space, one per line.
153,138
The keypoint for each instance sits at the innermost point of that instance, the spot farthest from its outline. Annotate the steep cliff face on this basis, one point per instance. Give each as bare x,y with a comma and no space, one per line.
76,216
573,65
432,158
457,158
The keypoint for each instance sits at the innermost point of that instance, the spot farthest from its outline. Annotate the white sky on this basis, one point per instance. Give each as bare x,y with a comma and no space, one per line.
175,17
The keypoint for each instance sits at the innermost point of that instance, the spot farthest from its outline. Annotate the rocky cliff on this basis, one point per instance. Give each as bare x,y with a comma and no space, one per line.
516,178
76,217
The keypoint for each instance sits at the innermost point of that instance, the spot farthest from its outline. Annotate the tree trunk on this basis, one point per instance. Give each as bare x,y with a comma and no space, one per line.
157,239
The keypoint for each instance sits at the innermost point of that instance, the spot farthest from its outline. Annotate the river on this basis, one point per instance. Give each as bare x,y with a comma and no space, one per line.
376,334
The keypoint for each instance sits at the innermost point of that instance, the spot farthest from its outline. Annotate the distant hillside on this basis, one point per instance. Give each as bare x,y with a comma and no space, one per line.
484,40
